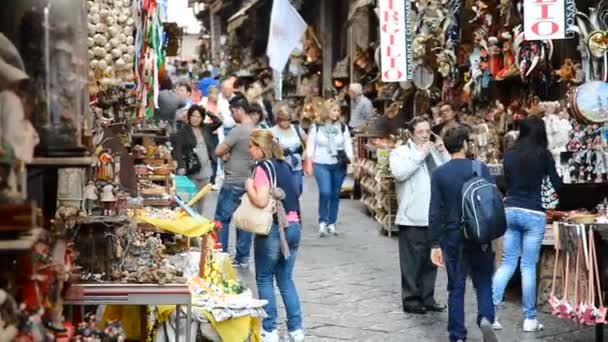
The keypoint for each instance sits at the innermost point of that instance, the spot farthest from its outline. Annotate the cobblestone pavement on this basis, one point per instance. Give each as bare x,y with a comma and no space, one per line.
349,286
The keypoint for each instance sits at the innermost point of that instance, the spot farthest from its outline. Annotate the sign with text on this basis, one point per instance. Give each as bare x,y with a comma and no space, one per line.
393,40
545,19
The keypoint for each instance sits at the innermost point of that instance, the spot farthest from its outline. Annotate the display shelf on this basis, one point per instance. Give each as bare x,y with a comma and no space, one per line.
102,219
62,162
133,294
378,194
23,243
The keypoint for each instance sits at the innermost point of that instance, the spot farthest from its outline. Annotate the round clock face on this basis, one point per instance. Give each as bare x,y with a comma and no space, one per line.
423,76
591,101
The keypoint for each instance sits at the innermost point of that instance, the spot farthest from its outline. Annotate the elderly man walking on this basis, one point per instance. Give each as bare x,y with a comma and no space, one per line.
362,110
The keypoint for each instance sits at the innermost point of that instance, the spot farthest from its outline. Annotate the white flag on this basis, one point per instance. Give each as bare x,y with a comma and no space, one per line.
286,30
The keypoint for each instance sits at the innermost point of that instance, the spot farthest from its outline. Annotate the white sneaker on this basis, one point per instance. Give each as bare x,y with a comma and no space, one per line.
486,331
331,229
323,229
270,336
532,325
296,336
496,325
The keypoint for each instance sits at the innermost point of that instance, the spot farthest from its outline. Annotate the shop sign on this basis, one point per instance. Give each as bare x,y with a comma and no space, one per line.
545,19
394,33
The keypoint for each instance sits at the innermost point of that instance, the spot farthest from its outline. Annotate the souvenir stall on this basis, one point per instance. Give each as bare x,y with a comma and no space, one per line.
95,243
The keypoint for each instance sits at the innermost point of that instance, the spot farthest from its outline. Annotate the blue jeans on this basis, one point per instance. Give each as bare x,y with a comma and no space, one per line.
228,200
463,258
270,265
329,180
524,236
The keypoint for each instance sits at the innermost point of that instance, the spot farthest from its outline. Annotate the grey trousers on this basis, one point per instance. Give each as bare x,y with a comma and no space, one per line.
200,183
418,273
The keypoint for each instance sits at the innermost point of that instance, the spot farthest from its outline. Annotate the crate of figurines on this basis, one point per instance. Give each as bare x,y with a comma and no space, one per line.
586,159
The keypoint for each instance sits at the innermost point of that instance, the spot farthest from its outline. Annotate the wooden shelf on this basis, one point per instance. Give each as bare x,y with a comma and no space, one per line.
62,162
102,219
23,243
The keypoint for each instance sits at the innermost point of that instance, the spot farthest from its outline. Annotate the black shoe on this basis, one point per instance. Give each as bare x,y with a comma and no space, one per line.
417,309
436,307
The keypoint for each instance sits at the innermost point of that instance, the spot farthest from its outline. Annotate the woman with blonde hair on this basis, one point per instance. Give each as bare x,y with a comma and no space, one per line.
329,147
292,139
275,253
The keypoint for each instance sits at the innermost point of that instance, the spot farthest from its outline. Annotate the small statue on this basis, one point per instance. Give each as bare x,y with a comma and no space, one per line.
90,197
108,199
509,68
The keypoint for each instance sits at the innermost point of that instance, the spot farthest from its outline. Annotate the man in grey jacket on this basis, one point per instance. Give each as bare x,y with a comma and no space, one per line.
412,164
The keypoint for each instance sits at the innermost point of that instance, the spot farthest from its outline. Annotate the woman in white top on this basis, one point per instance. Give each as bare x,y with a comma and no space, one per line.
292,139
330,148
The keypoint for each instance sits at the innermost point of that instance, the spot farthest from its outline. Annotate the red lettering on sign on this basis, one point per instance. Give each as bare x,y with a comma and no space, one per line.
392,74
544,28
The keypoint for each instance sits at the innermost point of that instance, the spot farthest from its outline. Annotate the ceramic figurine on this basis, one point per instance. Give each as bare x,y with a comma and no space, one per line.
509,68
108,199
105,164
90,197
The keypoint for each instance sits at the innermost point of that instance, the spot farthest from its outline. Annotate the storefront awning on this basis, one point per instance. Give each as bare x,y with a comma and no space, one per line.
237,19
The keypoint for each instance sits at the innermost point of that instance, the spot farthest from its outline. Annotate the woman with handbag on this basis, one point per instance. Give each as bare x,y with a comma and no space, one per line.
329,147
195,146
273,185
292,139
527,165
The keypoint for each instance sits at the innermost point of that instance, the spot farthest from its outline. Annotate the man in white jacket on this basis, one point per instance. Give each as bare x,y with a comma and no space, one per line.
412,164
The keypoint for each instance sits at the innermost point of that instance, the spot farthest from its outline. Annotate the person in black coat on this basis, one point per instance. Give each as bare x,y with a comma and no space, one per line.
197,136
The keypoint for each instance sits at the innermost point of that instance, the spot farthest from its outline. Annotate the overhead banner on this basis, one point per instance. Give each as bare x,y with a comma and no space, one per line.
394,33
545,19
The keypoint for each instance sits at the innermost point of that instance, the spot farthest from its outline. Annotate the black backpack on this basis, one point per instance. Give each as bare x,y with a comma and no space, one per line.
483,213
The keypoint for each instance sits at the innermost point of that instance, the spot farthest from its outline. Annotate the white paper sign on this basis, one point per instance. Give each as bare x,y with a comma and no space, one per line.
544,19
393,42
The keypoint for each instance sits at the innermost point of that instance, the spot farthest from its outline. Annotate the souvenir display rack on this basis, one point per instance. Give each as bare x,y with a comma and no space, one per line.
377,186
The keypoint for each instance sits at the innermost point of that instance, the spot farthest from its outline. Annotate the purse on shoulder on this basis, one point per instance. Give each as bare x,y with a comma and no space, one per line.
193,163
251,218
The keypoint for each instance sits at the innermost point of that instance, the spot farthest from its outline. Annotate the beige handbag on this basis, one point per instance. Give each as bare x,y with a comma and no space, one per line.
249,217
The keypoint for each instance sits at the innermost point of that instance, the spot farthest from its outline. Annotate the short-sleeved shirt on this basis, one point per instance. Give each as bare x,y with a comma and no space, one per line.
238,167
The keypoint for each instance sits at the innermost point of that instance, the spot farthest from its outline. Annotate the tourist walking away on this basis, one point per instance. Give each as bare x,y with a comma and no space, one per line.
363,109
460,256
275,254
330,149
526,165
195,140
412,164
233,150
292,139
168,102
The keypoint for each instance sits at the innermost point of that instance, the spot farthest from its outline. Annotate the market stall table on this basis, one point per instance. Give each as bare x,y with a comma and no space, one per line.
133,294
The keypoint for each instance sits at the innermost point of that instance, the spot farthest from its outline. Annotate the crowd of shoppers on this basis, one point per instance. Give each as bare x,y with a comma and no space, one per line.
262,150
431,181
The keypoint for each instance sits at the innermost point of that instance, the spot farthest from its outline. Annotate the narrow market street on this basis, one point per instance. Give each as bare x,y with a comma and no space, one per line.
349,286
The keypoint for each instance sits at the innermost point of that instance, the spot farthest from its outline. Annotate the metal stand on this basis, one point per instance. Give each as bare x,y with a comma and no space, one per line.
134,294
599,333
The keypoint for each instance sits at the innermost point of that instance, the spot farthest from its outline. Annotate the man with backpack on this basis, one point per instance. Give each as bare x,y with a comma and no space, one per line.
461,232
